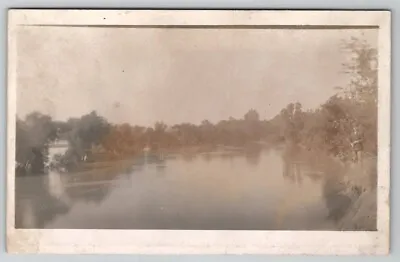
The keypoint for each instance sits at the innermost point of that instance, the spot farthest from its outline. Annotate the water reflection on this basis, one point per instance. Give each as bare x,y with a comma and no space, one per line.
56,187
257,188
189,157
33,197
42,197
206,156
253,155
293,165
338,194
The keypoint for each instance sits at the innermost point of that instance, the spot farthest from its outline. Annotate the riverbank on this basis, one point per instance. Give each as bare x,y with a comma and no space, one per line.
361,187
350,188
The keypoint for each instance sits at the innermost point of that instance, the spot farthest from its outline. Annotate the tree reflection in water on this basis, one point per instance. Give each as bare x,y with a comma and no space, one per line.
292,164
207,157
35,205
337,193
253,154
40,198
189,157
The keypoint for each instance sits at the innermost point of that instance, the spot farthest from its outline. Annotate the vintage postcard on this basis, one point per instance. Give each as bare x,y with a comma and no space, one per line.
198,132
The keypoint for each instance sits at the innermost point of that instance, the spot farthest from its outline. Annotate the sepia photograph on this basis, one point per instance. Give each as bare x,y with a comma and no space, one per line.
165,125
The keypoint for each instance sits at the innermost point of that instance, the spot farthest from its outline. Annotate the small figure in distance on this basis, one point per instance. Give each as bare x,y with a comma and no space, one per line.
357,144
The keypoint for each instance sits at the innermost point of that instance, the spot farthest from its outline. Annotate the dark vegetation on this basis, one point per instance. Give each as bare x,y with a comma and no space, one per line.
327,129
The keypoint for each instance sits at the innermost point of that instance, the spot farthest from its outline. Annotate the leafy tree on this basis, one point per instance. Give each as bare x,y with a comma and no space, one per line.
363,68
32,138
252,116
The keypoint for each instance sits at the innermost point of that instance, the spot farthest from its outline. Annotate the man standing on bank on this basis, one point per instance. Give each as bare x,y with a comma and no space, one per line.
357,144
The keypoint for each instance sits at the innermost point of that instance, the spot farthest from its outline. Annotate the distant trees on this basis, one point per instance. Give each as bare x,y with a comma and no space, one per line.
186,134
37,131
326,128
120,139
207,132
330,126
84,133
33,134
252,116
88,131
289,123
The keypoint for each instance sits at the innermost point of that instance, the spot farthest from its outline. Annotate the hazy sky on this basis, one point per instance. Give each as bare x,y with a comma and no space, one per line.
176,75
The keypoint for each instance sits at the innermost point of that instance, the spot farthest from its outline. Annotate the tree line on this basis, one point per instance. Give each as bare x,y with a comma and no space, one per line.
328,128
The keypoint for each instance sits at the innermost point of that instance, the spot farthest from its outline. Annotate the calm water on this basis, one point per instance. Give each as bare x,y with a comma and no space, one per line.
236,190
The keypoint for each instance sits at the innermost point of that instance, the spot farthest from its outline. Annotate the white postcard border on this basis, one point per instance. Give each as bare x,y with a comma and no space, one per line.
196,241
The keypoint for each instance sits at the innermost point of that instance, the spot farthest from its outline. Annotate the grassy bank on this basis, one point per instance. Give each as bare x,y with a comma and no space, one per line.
349,188
361,187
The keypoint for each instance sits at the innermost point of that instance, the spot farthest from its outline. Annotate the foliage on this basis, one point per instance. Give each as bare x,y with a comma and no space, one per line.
32,138
328,128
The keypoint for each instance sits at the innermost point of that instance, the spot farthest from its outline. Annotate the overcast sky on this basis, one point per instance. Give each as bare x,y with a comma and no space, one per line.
141,76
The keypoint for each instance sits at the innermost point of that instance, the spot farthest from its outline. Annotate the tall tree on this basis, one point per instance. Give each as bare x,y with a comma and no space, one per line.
252,116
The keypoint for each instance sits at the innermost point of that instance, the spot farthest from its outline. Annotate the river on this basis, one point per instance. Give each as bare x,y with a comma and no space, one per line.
261,189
